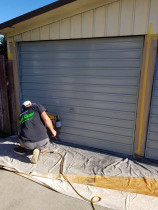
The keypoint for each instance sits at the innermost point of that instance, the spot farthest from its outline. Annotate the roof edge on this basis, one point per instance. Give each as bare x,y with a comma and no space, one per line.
34,13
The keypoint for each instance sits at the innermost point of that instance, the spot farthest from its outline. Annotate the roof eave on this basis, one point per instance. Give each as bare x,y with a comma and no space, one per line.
34,13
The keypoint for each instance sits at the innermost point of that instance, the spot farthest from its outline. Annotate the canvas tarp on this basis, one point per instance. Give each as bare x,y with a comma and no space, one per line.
122,183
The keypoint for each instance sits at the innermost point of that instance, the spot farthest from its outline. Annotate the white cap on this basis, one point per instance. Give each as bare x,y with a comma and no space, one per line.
26,103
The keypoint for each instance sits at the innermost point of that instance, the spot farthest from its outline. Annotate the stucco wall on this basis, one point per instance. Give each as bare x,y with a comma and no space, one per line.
115,18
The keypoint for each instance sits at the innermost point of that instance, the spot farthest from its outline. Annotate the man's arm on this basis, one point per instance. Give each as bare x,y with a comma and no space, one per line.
48,123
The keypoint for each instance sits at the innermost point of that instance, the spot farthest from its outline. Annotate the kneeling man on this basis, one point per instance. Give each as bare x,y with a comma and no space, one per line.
32,132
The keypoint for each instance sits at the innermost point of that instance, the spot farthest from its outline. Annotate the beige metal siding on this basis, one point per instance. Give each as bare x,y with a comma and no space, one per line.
17,38
113,12
55,30
100,22
120,18
35,34
87,24
153,16
45,32
126,18
141,16
65,29
26,36
76,26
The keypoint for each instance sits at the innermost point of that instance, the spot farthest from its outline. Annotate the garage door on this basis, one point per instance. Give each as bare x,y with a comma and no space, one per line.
92,83
152,136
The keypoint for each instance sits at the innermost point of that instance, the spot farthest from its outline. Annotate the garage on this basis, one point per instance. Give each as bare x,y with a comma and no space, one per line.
92,62
91,83
152,135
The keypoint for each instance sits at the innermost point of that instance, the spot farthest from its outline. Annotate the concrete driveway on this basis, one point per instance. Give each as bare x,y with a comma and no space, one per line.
19,193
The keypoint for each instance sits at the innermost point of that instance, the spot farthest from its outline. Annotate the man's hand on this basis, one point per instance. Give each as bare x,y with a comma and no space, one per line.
48,123
54,133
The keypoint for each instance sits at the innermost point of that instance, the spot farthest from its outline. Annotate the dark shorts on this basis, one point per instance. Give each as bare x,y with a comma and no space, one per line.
35,145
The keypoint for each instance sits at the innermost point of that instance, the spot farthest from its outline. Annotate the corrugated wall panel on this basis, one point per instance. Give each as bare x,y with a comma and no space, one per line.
92,83
87,24
45,33
119,18
108,44
55,30
141,16
65,28
153,16
126,19
77,87
26,36
18,38
76,26
152,136
100,22
113,15
35,34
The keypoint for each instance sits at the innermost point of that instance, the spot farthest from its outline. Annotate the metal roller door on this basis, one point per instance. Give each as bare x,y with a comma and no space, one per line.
152,136
92,83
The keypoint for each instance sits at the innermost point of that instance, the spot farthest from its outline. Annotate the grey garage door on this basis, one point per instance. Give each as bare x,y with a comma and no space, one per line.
92,83
152,136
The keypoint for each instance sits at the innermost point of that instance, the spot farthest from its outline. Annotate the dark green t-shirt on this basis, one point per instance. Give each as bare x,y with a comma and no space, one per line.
31,126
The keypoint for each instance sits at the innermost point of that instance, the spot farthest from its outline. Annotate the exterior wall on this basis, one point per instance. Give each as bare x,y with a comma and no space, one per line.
152,134
145,91
118,18
104,19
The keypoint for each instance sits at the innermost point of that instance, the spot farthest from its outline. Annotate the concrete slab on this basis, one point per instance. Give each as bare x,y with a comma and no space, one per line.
19,193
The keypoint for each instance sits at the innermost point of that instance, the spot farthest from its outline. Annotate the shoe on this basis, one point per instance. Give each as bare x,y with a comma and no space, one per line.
20,150
35,156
